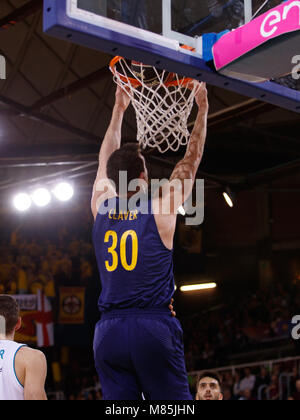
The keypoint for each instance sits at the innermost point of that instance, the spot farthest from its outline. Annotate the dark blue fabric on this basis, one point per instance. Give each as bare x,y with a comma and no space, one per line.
151,283
138,353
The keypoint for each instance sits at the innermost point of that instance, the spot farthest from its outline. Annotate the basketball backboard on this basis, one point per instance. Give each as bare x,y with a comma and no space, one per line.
152,31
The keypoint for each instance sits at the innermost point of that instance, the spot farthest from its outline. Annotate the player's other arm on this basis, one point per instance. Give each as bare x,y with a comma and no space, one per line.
111,143
186,169
34,366
183,177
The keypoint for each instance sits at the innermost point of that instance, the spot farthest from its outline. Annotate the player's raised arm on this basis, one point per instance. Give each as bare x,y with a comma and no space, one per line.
186,169
111,143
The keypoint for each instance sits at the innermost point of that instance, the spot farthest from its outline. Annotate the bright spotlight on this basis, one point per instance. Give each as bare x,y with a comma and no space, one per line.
63,191
22,202
194,287
41,197
228,199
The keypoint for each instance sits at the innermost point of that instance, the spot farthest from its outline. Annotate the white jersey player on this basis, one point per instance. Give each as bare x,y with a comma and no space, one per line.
22,370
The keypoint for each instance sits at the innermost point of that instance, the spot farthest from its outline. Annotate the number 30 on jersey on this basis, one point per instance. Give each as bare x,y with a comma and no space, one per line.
112,237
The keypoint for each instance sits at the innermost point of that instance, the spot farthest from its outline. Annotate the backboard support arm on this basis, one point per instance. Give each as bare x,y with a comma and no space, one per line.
194,42
248,10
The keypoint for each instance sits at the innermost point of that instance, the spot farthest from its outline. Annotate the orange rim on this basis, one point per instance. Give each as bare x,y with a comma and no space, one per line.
185,81
135,83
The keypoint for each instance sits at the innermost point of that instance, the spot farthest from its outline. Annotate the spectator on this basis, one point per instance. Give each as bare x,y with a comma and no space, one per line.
80,396
91,396
246,395
273,390
209,387
262,379
227,381
237,392
208,355
296,394
49,286
22,281
248,382
98,396
227,394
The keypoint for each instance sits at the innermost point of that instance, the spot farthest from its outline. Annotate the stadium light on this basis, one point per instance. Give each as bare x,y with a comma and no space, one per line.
63,191
195,287
228,196
41,197
22,202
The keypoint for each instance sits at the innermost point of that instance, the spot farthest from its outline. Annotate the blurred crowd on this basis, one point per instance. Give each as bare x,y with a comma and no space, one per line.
244,323
268,381
83,388
278,382
27,265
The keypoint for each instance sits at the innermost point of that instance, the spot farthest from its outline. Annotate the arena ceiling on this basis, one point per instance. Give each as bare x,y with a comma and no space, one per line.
56,103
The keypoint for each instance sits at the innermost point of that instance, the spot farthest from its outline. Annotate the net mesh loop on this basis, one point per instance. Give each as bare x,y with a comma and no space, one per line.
162,107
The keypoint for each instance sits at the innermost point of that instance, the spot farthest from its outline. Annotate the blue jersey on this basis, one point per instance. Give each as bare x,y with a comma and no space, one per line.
135,267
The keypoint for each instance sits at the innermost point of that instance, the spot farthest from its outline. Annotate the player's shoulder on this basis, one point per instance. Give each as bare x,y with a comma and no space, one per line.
30,355
102,192
163,207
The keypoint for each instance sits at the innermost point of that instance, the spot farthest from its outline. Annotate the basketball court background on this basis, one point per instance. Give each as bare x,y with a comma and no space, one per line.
55,106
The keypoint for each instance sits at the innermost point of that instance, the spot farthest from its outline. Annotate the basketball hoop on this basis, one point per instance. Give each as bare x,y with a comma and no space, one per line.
162,102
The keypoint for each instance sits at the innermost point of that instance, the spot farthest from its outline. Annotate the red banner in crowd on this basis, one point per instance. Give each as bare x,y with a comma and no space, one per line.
37,326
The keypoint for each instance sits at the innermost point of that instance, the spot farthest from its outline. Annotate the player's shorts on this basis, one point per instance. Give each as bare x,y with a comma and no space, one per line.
140,352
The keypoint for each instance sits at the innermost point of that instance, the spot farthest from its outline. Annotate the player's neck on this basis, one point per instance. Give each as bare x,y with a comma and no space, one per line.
140,188
9,337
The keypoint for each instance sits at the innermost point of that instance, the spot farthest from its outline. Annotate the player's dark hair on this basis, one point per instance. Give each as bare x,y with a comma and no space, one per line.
127,158
10,311
210,374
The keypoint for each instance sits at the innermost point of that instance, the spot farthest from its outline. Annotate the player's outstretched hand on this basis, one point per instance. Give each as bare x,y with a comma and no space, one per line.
173,313
201,97
122,99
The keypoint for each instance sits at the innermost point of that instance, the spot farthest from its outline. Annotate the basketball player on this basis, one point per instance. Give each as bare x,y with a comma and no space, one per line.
138,344
22,370
209,387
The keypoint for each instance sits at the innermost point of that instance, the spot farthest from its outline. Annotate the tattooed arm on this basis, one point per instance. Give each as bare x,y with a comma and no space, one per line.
183,177
187,168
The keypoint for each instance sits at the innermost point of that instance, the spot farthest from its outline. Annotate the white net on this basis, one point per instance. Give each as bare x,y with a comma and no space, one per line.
162,101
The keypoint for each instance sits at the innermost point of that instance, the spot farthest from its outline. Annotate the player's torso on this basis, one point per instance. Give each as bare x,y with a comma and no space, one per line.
10,387
135,268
